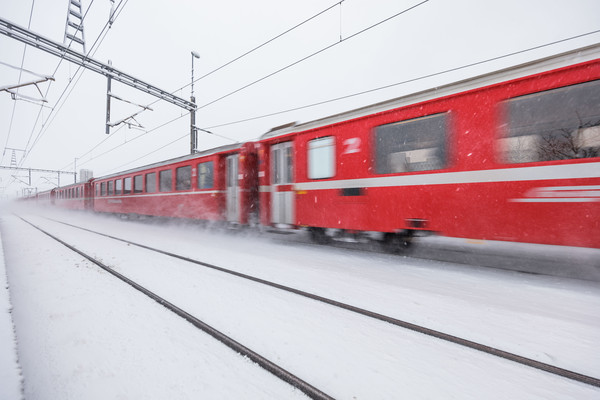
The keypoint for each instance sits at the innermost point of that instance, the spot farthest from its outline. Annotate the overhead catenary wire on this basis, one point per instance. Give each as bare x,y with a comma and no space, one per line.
47,91
73,82
259,46
454,69
313,54
212,72
54,110
218,69
12,116
282,69
114,15
446,71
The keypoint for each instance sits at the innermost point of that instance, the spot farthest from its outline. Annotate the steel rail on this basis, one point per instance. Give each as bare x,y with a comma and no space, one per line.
589,380
263,362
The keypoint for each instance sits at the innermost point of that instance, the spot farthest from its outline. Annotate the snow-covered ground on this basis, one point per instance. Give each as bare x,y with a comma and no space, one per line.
10,379
83,334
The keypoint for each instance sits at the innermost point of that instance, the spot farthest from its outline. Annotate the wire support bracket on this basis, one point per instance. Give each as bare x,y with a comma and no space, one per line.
24,35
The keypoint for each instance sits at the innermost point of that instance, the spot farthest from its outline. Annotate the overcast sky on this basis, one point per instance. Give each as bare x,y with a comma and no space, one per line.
152,40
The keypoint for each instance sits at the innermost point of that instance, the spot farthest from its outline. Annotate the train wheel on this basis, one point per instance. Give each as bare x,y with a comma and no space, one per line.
397,243
318,235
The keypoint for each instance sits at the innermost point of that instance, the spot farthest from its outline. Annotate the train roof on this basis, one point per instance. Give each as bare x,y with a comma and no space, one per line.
583,54
159,164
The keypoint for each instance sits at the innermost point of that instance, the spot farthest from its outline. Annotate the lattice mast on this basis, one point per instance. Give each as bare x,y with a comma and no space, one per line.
74,26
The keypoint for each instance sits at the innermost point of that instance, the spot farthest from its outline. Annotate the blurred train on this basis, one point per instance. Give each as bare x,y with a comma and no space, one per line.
511,156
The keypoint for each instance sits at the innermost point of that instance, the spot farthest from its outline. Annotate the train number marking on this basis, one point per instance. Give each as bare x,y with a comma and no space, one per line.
352,145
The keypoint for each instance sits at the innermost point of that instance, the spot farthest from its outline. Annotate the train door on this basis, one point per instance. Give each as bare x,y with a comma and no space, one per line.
282,199
233,190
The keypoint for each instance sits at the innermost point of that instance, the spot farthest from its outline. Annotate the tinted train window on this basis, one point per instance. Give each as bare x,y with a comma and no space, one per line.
138,182
151,182
111,188
558,124
205,175
118,186
183,178
127,185
321,158
103,188
414,145
166,180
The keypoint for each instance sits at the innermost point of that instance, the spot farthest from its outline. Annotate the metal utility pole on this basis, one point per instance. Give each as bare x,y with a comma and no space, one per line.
108,90
30,170
23,35
193,130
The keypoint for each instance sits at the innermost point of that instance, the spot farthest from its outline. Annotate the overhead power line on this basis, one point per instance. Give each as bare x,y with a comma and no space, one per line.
390,85
220,68
313,54
264,44
405,81
12,116
73,82
24,35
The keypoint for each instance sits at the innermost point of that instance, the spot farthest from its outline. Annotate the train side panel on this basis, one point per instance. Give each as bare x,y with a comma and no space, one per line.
467,182
188,189
219,187
77,196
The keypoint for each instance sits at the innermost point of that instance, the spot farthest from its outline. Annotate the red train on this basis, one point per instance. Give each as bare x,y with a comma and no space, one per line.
512,156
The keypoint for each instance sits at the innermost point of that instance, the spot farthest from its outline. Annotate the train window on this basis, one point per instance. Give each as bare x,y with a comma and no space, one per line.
103,189
119,186
127,185
151,182
275,173
111,188
166,180
414,145
288,163
138,182
558,124
205,175
97,188
183,178
321,158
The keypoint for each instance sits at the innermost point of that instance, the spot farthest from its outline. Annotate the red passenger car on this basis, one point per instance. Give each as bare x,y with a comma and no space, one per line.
512,156
77,196
46,198
210,185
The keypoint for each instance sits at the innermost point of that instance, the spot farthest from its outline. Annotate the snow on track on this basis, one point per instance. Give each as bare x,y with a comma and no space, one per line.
534,316
84,335
352,356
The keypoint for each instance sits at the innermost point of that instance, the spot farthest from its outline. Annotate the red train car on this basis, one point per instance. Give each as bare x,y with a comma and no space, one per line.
214,185
46,197
77,196
511,156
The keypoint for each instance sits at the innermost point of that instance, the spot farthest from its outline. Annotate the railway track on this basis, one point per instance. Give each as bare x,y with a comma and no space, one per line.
263,362
552,369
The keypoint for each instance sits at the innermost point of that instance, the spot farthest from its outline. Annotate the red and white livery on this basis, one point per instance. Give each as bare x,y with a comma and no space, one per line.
512,155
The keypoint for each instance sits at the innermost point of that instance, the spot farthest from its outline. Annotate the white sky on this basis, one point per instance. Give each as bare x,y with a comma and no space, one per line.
152,40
